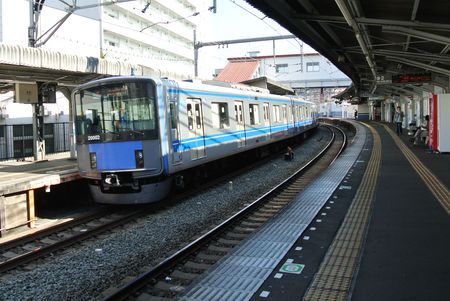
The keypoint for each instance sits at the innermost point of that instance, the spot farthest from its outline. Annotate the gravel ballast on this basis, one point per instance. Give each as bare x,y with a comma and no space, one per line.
85,271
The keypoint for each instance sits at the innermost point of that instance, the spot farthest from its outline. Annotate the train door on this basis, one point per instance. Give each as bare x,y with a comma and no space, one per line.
177,155
196,133
266,117
240,122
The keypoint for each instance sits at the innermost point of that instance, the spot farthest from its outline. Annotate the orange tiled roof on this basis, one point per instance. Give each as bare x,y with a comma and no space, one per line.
238,71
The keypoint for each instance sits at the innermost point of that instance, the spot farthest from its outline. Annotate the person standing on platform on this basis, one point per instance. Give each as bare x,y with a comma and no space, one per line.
398,119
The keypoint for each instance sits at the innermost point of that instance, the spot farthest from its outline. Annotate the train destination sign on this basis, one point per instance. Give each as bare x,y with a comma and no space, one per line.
412,78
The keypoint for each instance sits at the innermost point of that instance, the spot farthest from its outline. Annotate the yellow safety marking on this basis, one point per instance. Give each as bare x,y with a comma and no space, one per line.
334,277
437,188
14,175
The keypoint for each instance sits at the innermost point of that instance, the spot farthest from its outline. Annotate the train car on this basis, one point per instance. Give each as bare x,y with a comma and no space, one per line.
137,135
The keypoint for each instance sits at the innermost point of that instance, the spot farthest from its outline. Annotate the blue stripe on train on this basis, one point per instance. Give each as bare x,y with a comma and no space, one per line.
227,137
235,96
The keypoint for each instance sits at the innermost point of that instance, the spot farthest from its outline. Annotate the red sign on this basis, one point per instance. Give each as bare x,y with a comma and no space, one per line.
411,78
433,123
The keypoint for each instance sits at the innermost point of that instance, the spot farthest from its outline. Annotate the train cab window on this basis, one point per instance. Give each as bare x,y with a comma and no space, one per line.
220,117
254,114
117,110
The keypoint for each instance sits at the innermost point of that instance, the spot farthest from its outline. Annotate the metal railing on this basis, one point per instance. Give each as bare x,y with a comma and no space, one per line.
16,140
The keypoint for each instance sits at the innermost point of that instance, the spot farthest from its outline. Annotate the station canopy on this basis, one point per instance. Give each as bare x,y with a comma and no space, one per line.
385,46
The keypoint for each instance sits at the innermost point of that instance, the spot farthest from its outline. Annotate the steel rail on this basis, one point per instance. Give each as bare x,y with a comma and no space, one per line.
142,280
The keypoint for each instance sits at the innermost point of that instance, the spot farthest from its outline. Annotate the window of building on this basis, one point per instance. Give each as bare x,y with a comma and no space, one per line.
220,117
254,114
112,43
281,68
312,67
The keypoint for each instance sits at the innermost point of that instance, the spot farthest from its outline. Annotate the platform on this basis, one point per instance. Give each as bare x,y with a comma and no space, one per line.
19,180
374,226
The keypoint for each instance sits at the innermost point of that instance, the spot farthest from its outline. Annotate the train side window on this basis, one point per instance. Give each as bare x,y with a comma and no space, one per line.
276,113
173,116
190,118
266,112
198,119
254,114
239,113
220,117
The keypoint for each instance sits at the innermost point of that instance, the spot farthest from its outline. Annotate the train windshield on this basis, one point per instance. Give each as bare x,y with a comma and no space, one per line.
116,111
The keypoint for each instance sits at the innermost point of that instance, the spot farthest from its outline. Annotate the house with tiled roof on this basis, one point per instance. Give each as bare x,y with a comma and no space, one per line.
239,70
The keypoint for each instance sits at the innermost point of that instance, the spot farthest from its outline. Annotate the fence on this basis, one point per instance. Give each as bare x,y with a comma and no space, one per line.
16,140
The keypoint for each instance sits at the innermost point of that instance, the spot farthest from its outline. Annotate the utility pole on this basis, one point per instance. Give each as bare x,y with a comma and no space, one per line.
198,45
38,112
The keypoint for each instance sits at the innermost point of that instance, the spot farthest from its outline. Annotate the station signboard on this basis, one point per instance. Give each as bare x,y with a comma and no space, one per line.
411,78
26,93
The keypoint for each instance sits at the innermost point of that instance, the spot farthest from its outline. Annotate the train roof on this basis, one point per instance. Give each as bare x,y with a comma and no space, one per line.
211,85
236,88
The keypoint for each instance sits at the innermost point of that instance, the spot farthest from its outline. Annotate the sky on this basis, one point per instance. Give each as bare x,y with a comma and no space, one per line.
236,19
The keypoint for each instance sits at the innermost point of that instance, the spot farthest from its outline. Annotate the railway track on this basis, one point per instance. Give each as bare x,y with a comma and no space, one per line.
172,276
19,252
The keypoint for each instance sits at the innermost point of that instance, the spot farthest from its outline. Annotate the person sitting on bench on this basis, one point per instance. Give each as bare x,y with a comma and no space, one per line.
422,132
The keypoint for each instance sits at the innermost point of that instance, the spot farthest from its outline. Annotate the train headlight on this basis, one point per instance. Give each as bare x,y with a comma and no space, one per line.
93,159
139,158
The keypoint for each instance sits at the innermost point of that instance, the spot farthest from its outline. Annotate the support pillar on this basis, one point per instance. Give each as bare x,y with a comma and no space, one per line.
31,209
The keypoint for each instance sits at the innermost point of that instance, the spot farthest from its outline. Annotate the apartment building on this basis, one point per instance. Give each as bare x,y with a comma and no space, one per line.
156,34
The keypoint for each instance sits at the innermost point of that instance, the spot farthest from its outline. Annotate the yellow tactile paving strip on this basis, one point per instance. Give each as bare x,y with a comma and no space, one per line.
437,188
334,278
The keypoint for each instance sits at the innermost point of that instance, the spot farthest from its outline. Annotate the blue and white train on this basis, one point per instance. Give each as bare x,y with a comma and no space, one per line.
137,135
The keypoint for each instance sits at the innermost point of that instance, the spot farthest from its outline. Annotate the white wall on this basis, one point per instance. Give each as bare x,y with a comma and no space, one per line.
17,111
15,22
297,74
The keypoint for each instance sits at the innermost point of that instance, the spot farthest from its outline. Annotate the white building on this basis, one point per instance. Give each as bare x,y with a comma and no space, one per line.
310,75
156,34
337,110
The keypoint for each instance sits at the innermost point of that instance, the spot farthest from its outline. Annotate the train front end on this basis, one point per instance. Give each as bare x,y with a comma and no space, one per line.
118,140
